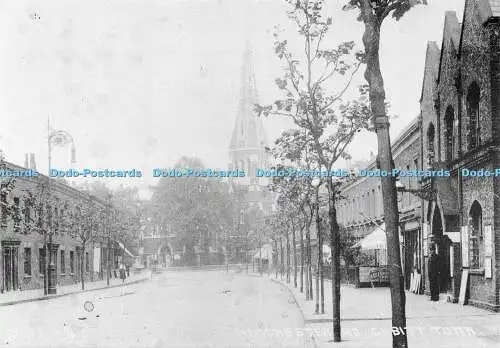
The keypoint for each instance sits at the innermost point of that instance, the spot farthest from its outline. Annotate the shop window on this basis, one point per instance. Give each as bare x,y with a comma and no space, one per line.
476,245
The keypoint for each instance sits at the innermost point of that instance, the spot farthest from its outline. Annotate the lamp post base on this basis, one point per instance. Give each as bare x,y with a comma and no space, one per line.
52,290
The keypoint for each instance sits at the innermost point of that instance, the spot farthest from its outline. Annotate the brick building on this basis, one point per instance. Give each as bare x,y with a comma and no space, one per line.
361,210
458,130
22,251
461,123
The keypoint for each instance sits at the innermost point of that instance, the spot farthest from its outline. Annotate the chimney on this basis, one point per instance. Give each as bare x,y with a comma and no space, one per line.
32,161
26,165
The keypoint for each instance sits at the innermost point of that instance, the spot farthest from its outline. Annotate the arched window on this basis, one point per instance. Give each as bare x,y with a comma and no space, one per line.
368,211
373,212
449,134
430,145
473,96
354,210
476,245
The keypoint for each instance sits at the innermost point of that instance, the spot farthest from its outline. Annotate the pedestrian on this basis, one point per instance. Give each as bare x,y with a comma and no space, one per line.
122,273
434,274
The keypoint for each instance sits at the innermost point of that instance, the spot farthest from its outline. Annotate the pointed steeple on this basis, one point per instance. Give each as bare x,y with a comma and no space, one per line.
248,130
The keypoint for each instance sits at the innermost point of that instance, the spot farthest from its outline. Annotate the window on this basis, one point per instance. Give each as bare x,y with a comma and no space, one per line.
368,205
16,216
63,262
409,183
27,215
476,245
56,220
415,162
3,202
87,262
430,145
27,261
49,217
474,136
373,204
72,262
40,216
41,261
449,134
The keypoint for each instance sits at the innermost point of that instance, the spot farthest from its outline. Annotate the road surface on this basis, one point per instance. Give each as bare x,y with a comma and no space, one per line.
174,309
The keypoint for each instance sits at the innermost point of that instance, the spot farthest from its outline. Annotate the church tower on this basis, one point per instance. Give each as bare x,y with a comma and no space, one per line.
248,142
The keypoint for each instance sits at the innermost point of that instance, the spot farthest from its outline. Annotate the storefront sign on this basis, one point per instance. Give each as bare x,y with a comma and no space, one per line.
465,246
373,275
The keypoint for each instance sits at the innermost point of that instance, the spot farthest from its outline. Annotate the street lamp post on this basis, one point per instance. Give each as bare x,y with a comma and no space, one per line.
54,138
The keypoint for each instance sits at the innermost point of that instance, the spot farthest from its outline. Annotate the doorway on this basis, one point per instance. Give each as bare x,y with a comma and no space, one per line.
10,264
443,250
410,256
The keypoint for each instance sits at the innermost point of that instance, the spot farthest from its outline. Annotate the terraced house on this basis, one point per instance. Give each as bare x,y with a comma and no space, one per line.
33,220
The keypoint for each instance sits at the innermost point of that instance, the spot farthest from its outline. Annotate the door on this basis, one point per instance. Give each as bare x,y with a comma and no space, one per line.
411,239
10,267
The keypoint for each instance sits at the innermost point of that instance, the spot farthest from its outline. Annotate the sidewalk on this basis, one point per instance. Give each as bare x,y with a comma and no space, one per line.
366,319
15,297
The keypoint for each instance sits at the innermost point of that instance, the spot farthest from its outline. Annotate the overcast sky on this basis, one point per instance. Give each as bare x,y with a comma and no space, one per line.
140,83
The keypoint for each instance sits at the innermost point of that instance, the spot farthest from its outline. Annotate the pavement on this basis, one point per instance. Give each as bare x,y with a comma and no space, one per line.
16,297
175,309
366,320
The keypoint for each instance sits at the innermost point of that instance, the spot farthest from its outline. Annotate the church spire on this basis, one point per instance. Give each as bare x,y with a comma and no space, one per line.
248,131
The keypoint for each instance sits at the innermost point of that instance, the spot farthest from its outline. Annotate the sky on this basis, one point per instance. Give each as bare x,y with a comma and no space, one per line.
140,83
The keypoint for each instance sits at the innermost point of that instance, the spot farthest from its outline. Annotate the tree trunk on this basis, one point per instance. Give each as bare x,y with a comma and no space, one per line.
320,252
371,41
309,293
282,261
276,259
287,257
335,252
82,259
294,258
302,259
46,263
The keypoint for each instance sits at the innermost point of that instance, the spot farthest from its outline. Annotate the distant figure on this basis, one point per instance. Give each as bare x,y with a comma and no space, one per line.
434,274
122,273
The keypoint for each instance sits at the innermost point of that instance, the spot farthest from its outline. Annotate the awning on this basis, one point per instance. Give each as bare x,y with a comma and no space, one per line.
375,240
266,252
125,249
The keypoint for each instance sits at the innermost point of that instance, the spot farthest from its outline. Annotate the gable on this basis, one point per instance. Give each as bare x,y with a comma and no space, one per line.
451,34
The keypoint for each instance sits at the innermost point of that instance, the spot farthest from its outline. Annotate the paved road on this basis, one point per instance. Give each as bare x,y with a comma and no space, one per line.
175,309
